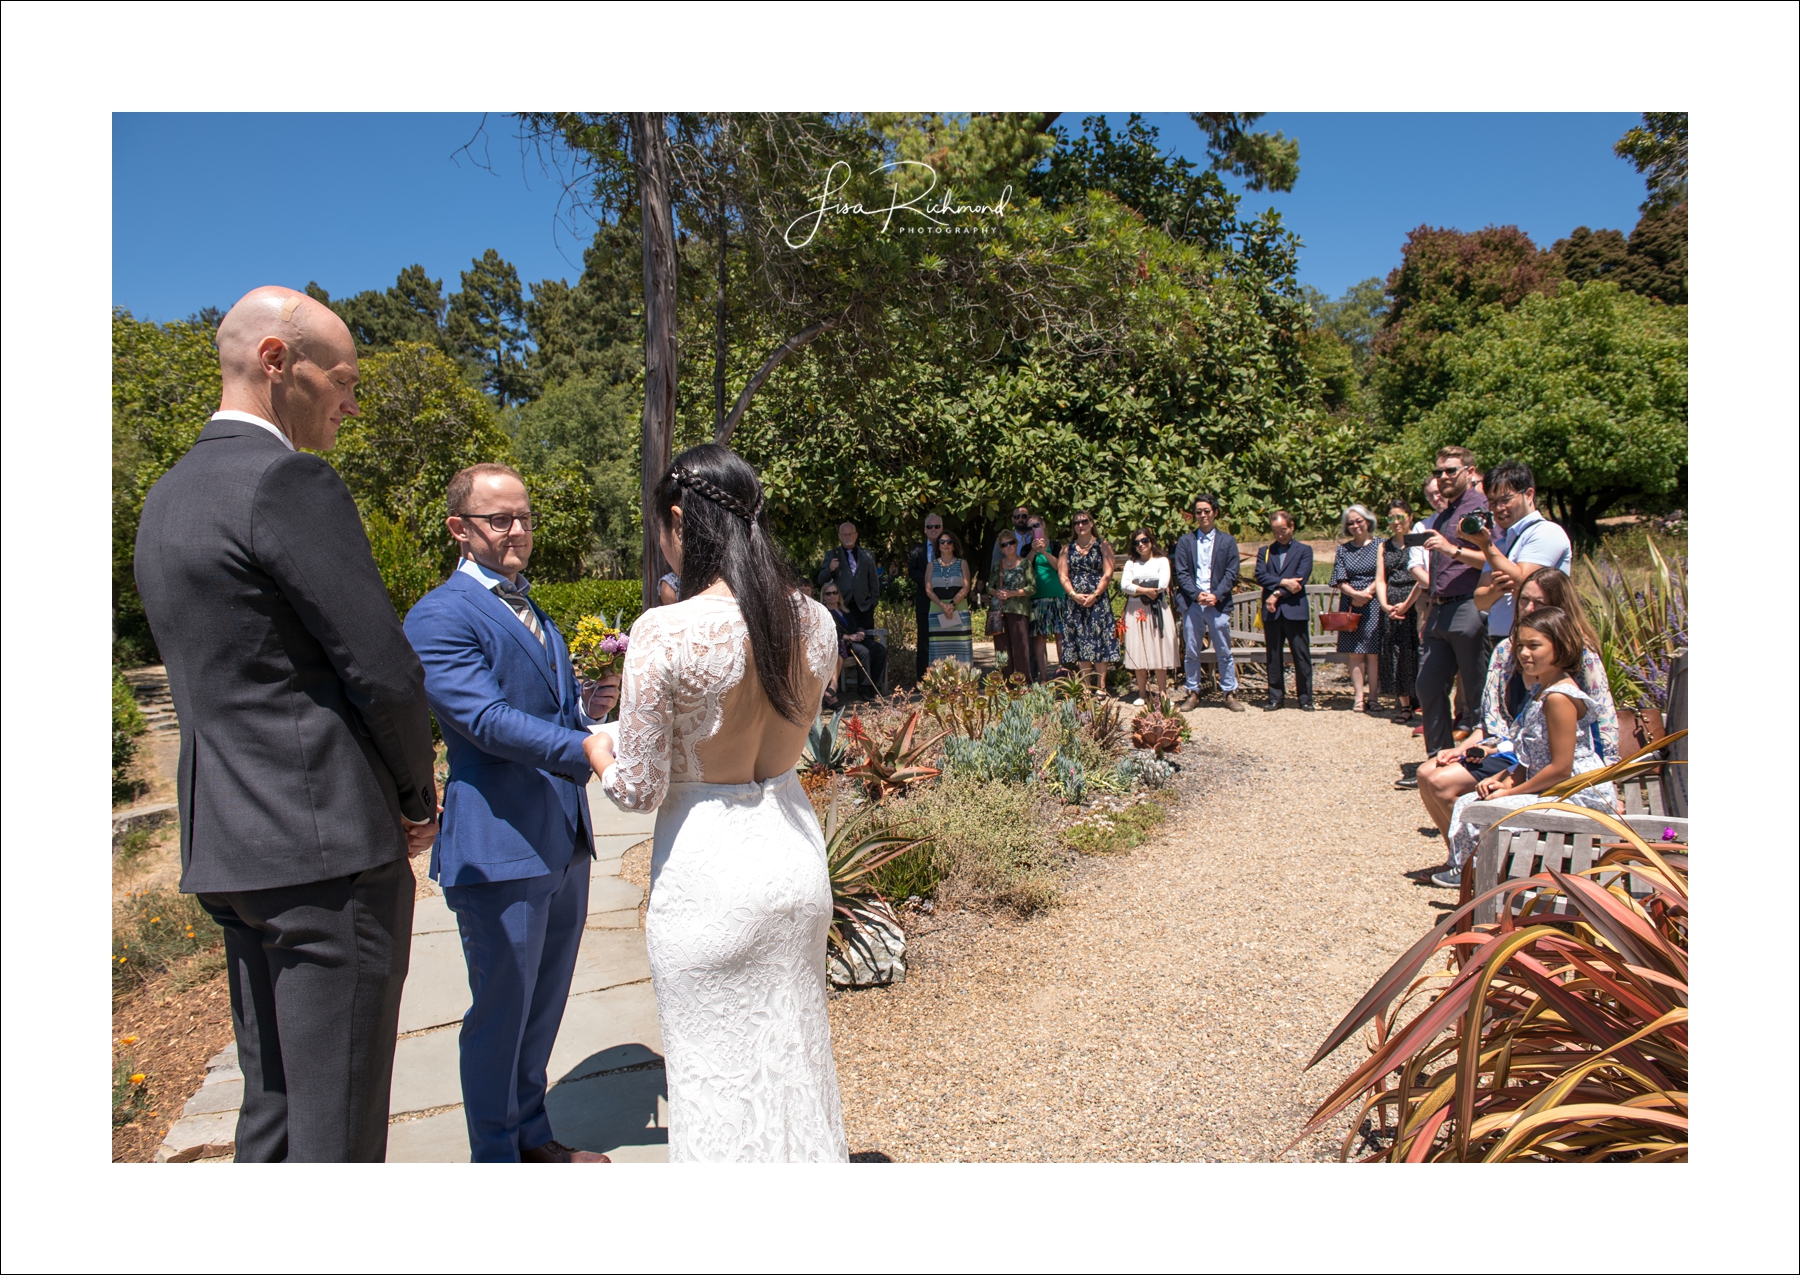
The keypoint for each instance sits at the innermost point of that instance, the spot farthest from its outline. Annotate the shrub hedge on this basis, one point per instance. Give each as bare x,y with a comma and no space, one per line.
567,602
127,724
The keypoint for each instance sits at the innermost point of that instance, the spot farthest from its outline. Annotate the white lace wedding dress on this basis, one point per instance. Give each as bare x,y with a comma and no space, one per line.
740,900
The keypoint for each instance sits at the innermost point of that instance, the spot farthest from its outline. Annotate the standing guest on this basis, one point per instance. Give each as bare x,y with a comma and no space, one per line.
1397,591
950,635
1455,634
1050,601
1019,533
852,569
1522,540
1149,620
668,589
1205,569
305,780
1356,575
918,570
1013,589
1091,637
518,841
853,645
1282,569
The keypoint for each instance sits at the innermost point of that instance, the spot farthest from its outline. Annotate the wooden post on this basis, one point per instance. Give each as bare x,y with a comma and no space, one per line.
650,147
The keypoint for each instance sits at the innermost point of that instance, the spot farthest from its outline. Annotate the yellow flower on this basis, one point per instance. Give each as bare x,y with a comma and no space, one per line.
155,919
128,1040
137,1077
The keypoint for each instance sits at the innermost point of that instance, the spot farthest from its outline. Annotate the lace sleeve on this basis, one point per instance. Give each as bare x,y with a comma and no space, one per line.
639,777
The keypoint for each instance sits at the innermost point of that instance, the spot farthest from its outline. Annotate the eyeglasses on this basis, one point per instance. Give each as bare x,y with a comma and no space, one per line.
1448,473
503,523
1141,541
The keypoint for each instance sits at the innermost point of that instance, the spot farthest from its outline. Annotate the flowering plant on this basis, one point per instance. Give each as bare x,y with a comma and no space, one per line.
598,648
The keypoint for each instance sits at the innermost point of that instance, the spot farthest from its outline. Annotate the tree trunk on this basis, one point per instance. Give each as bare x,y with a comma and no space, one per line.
787,347
650,147
719,342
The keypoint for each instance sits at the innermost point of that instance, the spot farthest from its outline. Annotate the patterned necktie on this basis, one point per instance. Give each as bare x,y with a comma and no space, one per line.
514,596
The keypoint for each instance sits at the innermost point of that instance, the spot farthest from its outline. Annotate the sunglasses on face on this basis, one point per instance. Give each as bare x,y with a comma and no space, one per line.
1140,541
1084,522
1447,473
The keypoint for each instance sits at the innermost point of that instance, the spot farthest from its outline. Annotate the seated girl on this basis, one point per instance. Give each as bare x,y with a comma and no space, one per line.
1550,739
1456,771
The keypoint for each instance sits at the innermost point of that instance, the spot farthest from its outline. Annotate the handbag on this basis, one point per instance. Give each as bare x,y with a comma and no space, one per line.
1339,621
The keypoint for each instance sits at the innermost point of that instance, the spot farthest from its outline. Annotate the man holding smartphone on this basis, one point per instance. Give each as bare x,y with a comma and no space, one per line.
1455,635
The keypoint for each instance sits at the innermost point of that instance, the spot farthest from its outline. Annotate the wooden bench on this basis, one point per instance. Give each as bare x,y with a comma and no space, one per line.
1528,843
1247,645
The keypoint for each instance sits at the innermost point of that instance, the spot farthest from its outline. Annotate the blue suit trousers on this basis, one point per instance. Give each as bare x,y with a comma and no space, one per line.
1215,624
520,939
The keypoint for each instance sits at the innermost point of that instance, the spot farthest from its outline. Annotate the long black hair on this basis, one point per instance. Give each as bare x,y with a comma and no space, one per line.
725,535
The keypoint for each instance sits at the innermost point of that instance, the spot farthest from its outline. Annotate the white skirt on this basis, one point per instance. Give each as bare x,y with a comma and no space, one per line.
740,902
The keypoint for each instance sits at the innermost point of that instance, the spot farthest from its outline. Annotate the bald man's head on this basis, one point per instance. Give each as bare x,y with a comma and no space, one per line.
288,359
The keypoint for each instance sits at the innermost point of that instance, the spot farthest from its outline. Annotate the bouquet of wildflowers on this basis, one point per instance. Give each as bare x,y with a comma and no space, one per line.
598,648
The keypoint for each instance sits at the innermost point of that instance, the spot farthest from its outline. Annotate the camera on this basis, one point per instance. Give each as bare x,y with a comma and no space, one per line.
1476,520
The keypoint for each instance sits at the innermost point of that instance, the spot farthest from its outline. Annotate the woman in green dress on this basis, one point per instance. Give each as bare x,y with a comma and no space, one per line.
1050,601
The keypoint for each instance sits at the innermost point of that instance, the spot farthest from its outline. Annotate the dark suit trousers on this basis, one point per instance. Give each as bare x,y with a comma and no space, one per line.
1455,637
1291,634
315,974
520,939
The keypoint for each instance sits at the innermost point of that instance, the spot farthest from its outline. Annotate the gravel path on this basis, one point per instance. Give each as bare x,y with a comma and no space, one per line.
1165,1011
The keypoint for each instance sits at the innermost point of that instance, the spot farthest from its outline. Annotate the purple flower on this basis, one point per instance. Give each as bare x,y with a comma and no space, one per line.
1669,834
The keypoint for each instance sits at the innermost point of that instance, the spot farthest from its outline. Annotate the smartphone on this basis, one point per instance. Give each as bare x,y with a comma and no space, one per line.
1416,539
1475,753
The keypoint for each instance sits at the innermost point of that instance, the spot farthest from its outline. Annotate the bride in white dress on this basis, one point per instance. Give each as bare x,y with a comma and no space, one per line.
719,691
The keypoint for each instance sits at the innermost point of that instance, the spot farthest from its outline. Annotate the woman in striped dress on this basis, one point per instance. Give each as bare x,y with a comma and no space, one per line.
949,635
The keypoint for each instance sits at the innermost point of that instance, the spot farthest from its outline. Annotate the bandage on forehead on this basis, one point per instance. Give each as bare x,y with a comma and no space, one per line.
289,306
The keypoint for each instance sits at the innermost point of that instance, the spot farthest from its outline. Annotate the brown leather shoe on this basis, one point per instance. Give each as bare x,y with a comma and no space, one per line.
1192,701
554,1152
1231,702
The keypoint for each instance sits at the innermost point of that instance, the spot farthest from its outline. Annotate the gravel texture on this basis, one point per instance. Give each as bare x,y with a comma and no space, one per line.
1166,1009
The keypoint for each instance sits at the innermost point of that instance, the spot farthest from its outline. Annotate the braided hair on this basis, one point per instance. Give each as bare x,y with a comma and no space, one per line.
725,536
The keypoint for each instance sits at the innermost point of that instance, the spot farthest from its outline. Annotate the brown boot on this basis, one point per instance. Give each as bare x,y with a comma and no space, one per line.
1189,702
1231,702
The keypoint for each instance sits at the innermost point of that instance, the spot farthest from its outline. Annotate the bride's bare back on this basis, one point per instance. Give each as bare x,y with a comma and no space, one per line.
692,708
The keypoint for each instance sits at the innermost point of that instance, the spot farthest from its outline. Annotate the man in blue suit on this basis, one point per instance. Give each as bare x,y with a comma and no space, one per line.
516,843
1205,567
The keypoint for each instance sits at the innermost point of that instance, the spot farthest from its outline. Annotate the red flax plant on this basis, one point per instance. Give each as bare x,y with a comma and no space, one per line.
1560,1037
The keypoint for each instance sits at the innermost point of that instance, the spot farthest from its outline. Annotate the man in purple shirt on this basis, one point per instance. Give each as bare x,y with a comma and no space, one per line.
1455,633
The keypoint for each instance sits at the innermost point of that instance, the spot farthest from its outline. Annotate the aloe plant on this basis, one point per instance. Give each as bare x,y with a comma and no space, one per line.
890,765
1559,1037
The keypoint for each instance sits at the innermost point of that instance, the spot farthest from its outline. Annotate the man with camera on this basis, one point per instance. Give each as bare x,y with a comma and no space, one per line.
1455,636
1522,539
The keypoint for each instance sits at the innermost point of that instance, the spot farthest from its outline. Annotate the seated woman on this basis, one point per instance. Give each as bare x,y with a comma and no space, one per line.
1550,742
853,644
1456,771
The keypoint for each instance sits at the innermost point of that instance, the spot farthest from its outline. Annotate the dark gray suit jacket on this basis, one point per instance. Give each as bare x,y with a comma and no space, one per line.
304,727
1224,569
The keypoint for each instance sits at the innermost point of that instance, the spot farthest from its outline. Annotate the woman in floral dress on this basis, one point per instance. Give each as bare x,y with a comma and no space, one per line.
1090,635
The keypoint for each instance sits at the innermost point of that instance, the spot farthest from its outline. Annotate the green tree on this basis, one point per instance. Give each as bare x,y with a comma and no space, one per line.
1652,263
486,325
1658,148
1354,318
1448,282
412,310
593,327
1591,255
590,425
1589,387
165,385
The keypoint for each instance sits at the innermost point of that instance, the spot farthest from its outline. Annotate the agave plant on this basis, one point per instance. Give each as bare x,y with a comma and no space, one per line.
825,749
889,766
855,849
1559,1037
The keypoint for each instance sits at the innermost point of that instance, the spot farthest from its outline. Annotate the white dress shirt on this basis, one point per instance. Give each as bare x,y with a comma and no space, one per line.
1203,549
248,419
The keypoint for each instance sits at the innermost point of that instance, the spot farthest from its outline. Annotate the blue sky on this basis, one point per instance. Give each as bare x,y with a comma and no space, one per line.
206,207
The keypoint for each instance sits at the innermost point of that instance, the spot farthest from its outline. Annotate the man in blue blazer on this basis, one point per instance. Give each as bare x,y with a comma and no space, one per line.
1205,567
1283,569
516,843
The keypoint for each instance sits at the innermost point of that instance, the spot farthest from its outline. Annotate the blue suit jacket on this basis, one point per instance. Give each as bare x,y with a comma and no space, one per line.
1297,564
516,804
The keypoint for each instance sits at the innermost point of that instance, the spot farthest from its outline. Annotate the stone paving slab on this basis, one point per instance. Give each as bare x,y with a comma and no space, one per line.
612,894
620,1018
624,1115
625,919
437,983
433,916
609,958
